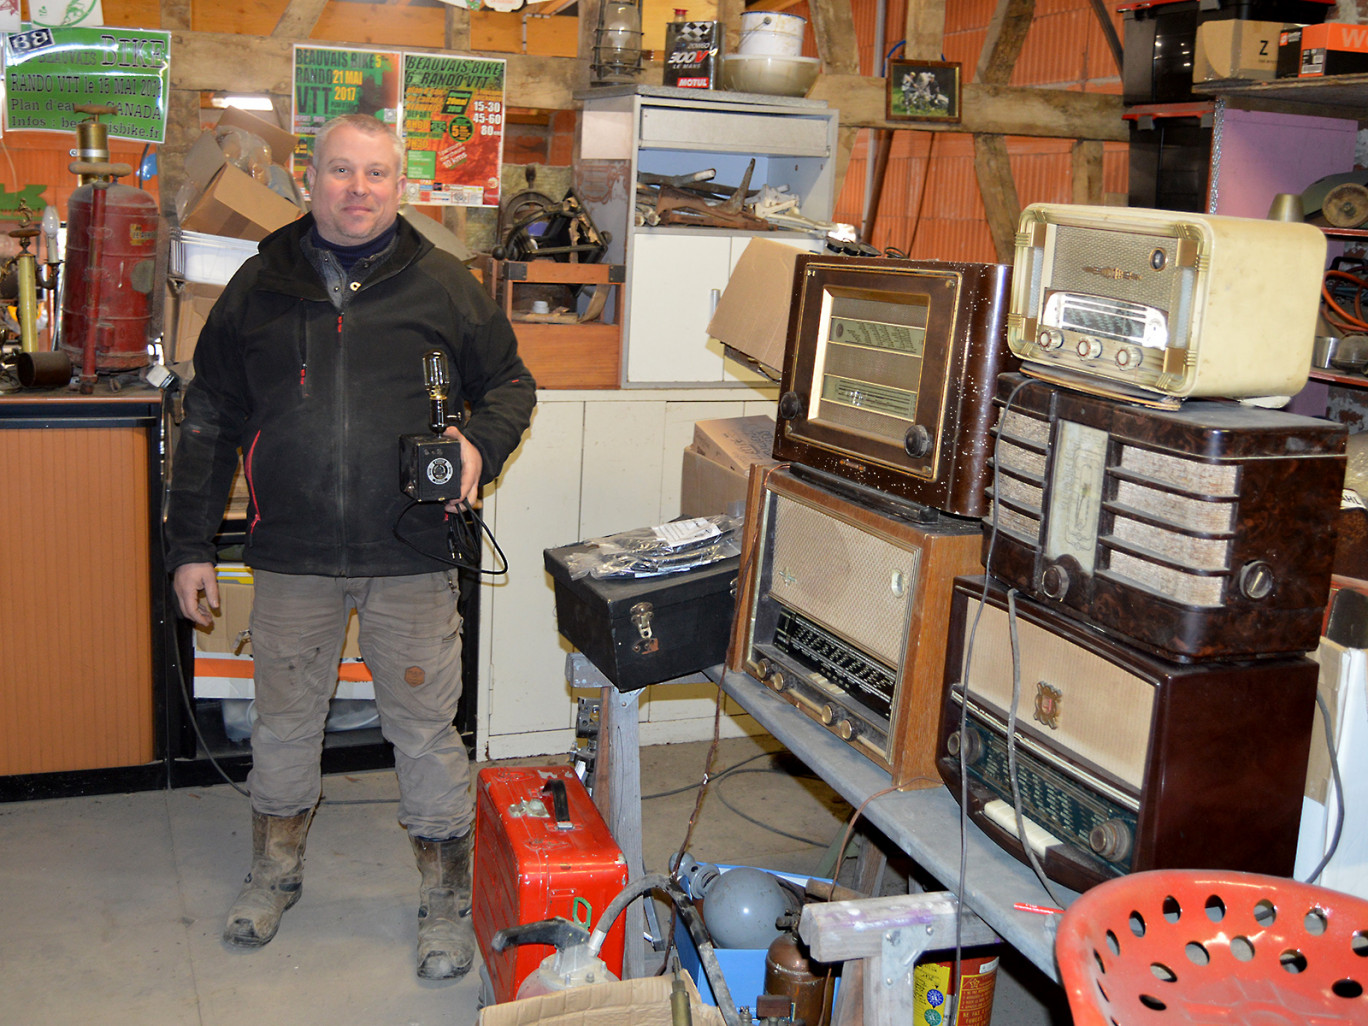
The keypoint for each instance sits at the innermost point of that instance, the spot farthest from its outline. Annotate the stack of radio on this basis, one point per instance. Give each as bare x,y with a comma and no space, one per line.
1042,534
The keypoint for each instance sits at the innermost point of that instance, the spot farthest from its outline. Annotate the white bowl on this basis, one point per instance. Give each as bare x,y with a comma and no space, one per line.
769,74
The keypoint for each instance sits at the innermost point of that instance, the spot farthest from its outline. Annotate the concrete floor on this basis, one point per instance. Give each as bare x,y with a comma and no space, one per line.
111,906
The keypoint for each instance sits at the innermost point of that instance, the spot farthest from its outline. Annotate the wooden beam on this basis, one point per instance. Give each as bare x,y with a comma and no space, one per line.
265,64
456,28
1048,113
175,14
924,30
833,25
1000,204
298,19
1006,34
1087,171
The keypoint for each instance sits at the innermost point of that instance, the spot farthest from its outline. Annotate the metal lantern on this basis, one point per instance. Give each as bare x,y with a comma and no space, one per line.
617,42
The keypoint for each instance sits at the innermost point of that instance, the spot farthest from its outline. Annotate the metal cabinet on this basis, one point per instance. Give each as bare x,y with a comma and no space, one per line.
675,273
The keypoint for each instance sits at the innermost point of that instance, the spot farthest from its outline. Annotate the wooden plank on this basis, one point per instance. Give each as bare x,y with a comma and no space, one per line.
1087,171
1000,204
457,28
1006,34
1005,110
175,14
299,19
924,30
833,25
263,64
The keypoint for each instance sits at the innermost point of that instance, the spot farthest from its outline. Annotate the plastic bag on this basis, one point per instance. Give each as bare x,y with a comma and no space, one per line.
651,551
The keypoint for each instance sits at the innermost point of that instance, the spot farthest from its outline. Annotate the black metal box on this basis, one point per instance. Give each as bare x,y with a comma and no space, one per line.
645,630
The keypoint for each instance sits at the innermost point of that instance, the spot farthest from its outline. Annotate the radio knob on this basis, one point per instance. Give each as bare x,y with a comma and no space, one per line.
1111,840
776,681
1089,348
1054,581
1256,580
1129,357
828,714
1050,339
790,405
844,729
971,743
917,441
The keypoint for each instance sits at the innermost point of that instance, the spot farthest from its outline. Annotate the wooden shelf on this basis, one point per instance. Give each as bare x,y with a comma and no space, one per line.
1334,96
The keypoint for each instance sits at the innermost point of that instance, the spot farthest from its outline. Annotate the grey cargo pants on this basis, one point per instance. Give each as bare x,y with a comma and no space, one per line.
411,642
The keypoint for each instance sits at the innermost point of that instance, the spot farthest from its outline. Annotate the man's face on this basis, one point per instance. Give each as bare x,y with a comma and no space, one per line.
355,186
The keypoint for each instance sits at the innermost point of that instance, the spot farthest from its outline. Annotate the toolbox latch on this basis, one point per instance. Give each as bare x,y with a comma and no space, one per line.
641,615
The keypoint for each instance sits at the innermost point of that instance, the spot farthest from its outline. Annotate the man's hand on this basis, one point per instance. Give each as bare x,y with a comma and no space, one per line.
188,581
471,465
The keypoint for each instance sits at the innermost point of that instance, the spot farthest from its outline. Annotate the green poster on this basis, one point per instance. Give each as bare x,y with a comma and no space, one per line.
50,71
329,82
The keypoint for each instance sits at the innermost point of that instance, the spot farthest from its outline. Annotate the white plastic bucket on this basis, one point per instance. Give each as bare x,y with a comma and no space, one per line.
772,33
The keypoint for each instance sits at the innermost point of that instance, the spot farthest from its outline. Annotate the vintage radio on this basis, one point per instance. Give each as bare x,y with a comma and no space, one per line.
1206,532
1158,306
1123,762
888,374
843,613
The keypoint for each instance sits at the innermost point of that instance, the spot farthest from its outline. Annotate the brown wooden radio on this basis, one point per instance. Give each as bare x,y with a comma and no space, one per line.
843,607
1206,532
888,374
1124,762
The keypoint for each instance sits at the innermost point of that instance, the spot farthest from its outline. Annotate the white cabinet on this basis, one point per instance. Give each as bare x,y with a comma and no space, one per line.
594,463
675,274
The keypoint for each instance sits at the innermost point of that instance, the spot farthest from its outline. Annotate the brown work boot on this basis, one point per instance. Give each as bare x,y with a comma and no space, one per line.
446,937
275,881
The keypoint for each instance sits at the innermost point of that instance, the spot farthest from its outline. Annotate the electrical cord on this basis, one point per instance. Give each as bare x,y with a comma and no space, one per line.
463,540
1339,790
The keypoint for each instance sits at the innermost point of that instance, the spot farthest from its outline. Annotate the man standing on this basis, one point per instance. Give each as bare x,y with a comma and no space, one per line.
311,364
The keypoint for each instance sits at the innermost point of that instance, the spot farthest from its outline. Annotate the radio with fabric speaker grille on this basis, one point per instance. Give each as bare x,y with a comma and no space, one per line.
844,607
1206,532
1123,762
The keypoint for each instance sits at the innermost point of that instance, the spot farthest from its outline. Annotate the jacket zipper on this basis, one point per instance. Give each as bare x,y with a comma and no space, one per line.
342,400
251,487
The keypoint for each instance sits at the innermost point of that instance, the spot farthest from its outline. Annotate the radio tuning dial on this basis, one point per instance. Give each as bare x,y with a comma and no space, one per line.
1129,357
790,405
1050,339
1256,580
1111,840
844,730
969,741
1089,348
775,680
917,441
828,714
1054,581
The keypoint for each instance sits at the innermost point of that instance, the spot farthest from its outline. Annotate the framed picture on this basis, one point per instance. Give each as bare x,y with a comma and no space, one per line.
923,91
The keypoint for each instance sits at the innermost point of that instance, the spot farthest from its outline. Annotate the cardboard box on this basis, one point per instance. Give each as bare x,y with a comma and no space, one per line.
708,488
1235,48
187,308
736,442
235,616
281,143
752,315
643,1002
1332,48
228,201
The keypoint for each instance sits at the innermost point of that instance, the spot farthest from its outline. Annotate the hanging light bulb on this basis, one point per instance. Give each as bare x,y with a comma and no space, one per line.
617,43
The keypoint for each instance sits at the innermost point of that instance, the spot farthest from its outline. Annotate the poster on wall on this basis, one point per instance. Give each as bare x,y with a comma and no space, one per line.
9,16
453,129
49,71
331,82
65,12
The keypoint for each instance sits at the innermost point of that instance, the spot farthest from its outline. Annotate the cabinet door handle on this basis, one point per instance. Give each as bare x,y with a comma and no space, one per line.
716,295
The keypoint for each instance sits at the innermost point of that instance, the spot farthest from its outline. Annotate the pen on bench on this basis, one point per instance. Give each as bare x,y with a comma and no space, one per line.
1043,910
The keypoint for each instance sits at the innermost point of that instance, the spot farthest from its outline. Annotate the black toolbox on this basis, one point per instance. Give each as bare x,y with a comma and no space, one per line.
645,630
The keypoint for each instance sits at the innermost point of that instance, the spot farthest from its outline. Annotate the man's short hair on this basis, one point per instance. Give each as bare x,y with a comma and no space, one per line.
362,123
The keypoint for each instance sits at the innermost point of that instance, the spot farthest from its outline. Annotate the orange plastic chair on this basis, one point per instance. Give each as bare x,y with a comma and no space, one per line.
1206,946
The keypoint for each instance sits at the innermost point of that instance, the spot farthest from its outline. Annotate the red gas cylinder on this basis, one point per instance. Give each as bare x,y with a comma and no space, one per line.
110,274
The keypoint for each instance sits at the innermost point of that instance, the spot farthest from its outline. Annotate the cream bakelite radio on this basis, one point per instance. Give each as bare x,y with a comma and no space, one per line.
1157,306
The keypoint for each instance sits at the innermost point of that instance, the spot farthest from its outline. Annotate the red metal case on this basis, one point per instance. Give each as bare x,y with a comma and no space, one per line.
529,867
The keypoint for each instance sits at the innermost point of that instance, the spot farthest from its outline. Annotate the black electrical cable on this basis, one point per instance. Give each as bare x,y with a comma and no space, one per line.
463,540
